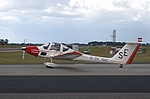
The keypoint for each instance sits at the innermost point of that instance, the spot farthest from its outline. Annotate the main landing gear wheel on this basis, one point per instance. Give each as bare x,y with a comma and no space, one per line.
121,66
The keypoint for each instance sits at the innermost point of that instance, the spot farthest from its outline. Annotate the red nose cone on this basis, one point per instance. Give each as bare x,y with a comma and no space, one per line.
33,50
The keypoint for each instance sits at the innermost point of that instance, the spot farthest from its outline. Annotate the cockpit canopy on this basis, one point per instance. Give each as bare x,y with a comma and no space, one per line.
55,46
46,46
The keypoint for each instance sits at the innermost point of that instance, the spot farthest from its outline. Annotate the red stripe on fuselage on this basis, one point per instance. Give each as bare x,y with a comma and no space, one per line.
133,54
76,53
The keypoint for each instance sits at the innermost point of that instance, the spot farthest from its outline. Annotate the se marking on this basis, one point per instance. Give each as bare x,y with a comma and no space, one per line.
124,53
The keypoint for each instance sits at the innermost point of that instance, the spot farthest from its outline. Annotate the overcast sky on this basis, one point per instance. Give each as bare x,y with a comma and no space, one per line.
71,21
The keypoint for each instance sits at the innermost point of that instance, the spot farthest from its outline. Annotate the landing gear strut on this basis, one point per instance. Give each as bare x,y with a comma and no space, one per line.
50,64
121,66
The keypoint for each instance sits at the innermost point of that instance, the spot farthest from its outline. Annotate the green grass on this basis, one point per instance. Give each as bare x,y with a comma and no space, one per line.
105,52
145,57
16,57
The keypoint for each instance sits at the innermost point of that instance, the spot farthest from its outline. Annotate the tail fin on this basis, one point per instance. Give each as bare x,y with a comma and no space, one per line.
126,54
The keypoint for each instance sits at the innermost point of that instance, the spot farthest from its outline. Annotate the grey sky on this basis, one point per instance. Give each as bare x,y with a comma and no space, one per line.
81,21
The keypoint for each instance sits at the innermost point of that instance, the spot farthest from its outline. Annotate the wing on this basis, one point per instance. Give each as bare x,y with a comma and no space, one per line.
70,56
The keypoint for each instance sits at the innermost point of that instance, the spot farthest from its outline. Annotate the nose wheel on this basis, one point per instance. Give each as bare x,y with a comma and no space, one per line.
121,66
50,64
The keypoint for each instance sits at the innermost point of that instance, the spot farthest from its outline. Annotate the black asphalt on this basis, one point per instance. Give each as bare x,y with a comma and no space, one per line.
74,84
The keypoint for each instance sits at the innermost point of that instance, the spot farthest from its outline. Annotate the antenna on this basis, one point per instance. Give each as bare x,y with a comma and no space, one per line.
114,37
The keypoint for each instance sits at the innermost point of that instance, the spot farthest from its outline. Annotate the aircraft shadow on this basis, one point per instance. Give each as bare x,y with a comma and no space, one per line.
75,69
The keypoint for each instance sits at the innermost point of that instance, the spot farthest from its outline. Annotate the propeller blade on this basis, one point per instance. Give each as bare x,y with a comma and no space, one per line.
23,48
23,52
23,55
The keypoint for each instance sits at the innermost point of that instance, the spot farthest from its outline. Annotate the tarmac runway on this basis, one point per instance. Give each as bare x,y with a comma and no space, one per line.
75,81
75,70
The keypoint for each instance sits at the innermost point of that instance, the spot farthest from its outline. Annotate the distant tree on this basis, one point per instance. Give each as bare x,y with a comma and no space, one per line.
94,43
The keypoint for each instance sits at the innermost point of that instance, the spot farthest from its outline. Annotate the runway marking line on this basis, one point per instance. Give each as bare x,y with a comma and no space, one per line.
79,64
68,75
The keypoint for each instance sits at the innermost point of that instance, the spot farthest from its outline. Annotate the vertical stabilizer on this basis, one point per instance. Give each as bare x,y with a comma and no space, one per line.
126,54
